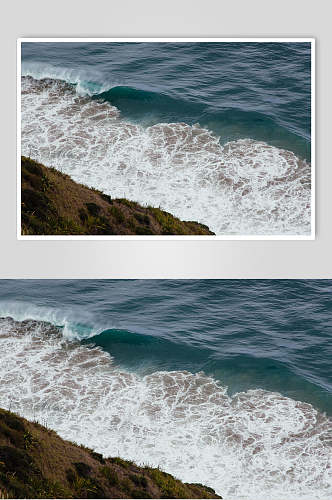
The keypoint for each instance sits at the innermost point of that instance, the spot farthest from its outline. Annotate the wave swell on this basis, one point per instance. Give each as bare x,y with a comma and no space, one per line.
252,445
243,187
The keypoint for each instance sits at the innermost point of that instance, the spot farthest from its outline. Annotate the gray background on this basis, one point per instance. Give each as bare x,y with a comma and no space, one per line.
166,259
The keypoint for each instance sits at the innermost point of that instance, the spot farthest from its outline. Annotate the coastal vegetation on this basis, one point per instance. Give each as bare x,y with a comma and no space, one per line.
37,463
53,204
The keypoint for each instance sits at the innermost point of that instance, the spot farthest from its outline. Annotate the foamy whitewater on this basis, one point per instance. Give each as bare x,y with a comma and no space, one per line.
254,445
243,187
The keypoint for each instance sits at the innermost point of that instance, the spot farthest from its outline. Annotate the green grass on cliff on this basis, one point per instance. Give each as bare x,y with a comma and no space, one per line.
36,463
53,204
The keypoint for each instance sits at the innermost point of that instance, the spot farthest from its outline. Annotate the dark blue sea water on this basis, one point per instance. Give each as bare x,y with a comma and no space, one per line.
155,389
271,334
218,133
238,90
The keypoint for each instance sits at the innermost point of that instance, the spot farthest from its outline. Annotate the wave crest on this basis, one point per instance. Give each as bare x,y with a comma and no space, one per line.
86,83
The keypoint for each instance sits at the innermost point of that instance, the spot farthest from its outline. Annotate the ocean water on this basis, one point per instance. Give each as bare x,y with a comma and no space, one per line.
223,382
213,132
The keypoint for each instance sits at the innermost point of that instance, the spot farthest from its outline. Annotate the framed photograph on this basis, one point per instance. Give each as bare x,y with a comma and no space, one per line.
166,138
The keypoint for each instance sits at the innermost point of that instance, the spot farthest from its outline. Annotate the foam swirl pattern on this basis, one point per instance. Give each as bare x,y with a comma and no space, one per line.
253,445
243,187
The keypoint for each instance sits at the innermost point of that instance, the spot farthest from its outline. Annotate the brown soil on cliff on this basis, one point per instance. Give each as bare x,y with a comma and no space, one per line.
53,204
36,463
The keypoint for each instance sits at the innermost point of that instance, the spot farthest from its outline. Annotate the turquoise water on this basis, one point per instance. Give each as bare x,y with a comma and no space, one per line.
270,334
212,380
218,133
238,90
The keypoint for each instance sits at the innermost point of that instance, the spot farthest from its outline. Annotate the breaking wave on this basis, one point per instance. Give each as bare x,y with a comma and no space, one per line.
86,82
242,187
252,445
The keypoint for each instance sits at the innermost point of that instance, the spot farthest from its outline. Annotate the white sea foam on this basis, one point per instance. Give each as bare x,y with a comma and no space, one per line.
70,330
243,187
86,81
255,445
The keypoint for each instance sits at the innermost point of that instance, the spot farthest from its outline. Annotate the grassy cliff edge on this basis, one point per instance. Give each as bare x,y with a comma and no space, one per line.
36,463
53,204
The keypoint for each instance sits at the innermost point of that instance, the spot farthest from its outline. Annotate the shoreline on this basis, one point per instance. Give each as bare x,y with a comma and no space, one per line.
35,462
54,204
